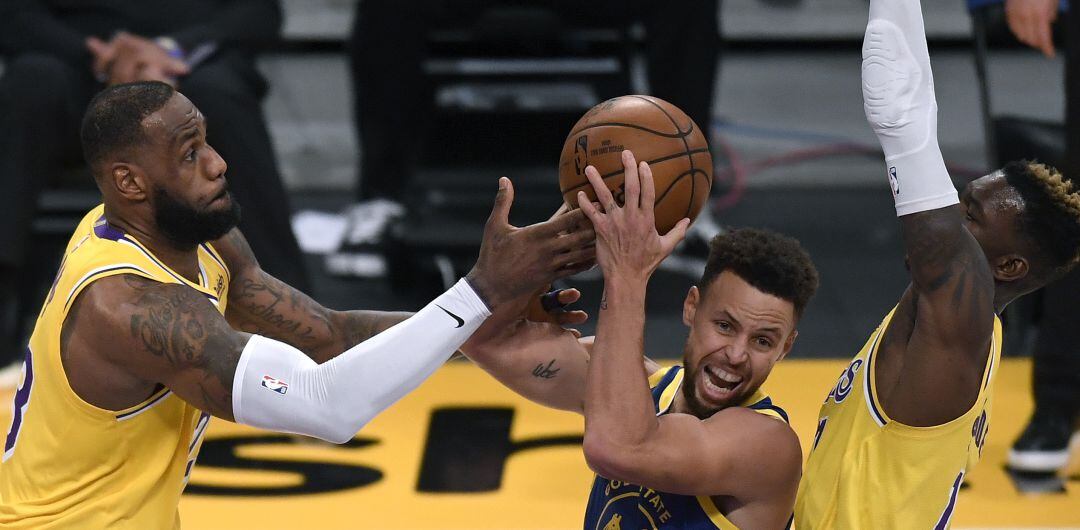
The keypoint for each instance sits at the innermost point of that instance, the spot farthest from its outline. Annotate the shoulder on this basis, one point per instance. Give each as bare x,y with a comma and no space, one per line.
767,442
119,308
235,251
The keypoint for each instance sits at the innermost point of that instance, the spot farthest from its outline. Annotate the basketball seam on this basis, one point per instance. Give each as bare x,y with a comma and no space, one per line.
690,156
680,134
650,162
684,174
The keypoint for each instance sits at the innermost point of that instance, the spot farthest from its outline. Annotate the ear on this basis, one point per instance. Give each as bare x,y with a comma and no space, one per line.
788,344
689,308
1010,268
129,181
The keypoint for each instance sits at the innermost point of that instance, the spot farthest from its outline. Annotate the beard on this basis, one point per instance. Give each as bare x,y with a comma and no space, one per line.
188,227
694,403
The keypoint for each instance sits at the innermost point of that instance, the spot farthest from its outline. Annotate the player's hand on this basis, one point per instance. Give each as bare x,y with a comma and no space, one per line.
1031,21
514,261
627,244
551,306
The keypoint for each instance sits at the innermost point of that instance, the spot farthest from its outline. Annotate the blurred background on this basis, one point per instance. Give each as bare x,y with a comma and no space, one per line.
376,131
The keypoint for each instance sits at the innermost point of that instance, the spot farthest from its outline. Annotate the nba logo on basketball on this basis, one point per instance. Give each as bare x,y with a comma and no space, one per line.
581,154
277,385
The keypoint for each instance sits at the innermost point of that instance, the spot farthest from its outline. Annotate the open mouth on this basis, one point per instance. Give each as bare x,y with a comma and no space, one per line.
720,383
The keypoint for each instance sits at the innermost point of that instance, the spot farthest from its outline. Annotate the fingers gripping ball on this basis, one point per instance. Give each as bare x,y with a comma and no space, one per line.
658,133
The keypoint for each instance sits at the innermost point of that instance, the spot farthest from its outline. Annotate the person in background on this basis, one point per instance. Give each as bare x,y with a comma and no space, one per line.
1044,444
59,53
389,43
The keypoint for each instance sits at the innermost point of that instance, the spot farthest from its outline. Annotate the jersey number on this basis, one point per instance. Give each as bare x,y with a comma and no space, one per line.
22,399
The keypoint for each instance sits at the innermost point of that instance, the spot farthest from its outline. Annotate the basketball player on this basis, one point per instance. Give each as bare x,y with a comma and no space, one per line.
909,416
160,317
699,445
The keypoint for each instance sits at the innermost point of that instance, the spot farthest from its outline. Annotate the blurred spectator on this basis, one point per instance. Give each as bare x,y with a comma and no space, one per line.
59,53
388,46
1044,444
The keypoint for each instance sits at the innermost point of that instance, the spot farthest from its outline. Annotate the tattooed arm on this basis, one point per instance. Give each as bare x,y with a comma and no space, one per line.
126,334
540,361
262,304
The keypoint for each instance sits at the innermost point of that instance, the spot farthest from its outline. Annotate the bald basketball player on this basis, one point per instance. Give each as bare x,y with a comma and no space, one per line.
696,446
160,317
909,416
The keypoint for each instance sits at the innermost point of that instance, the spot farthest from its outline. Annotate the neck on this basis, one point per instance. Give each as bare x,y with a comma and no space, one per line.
1003,296
184,260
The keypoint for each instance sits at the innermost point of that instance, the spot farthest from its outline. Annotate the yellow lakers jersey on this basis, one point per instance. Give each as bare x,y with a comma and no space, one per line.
868,471
70,464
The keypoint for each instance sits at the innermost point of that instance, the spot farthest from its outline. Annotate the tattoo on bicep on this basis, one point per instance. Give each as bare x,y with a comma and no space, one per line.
546,372
603,301
176,324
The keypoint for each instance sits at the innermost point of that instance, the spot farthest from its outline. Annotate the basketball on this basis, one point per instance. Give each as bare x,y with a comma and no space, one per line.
656,132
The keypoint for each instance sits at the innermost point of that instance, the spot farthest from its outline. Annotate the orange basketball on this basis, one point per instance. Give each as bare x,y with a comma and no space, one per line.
656,132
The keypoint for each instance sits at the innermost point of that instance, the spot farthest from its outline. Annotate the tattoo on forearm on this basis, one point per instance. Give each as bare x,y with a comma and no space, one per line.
546,372
265,306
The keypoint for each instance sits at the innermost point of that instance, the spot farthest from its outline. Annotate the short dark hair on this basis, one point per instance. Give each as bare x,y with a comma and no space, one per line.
1051,216
113,120
773,263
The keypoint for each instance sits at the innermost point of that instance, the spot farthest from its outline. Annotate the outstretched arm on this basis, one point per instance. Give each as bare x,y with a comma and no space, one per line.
169,334
539,360
952,291
263,305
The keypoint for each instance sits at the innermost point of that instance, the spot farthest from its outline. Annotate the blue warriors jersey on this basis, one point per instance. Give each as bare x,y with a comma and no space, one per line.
615,505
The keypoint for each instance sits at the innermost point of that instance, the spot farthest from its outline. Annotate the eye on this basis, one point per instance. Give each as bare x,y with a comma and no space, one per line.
191,155
723,325
763,342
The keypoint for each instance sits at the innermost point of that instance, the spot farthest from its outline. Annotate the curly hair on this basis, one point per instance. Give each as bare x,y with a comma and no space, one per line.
771,262
113,120
1051,216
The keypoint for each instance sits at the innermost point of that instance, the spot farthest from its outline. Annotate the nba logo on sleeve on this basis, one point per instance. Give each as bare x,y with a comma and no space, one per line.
893,180
277,385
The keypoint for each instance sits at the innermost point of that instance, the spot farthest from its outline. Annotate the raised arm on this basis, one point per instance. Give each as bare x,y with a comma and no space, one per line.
734,452
949,310
264,305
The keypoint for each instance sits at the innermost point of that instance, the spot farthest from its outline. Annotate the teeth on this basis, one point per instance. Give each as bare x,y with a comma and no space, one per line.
717,389
723,376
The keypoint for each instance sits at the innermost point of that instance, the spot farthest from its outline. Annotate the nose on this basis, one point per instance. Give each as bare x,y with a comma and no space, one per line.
737,354
216,165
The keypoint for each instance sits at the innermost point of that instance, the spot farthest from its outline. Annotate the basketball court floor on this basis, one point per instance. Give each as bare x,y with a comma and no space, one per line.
464,453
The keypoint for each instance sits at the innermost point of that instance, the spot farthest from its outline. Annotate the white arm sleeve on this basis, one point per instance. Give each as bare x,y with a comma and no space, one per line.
899,101
279,388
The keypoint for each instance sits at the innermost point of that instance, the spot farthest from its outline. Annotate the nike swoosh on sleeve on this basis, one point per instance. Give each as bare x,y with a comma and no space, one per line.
460,321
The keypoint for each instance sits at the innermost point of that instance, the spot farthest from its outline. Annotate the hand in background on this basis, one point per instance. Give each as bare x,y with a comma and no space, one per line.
1031,21
126,58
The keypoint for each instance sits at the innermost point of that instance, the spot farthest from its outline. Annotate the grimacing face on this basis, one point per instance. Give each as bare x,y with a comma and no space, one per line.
191,200
737,334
